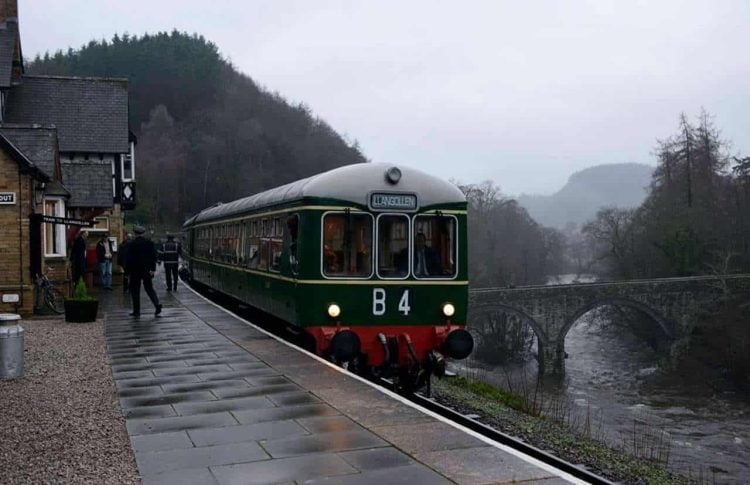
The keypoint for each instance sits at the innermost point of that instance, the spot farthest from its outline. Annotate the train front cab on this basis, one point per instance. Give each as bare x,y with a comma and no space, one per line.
392,289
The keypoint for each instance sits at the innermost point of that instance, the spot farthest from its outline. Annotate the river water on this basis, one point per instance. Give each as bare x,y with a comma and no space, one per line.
613,382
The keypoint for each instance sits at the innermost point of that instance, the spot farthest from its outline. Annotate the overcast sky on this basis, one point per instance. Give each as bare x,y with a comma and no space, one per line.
523,93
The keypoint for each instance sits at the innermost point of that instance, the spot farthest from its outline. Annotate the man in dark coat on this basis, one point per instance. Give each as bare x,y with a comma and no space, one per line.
122,257
170,255
141,266
78,257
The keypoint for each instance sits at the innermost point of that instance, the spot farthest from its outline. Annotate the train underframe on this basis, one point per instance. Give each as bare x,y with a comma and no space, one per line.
407,355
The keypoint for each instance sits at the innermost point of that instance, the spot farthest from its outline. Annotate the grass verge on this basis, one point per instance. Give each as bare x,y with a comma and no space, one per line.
502,410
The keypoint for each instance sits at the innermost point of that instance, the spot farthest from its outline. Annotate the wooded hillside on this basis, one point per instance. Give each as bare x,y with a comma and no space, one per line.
206,132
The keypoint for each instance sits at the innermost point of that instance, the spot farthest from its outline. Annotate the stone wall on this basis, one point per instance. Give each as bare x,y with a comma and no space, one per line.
15,260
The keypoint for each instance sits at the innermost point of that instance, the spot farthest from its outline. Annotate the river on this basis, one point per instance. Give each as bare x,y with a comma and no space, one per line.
612,379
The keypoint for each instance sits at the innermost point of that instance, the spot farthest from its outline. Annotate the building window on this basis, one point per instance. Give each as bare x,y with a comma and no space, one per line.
128,165
101,224
54,234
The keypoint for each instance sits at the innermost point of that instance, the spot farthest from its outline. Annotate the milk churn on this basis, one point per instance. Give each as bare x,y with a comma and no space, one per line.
11,346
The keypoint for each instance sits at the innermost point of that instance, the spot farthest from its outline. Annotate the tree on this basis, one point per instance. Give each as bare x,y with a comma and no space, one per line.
207,133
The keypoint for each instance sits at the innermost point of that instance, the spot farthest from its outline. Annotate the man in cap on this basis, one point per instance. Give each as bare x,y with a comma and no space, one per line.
170,255
141,266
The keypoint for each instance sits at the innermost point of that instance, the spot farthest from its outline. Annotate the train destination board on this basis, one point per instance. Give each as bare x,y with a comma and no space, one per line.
384,201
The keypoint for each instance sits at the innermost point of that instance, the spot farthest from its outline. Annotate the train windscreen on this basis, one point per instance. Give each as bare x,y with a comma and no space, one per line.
393,246
347,245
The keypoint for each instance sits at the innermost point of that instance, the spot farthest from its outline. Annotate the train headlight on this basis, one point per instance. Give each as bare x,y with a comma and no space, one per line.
334,310
449,310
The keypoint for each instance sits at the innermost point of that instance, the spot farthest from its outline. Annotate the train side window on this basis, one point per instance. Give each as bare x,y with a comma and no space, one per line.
347,245
434,253
393,246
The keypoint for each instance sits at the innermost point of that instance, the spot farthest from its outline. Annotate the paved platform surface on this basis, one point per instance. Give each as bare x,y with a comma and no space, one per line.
210,399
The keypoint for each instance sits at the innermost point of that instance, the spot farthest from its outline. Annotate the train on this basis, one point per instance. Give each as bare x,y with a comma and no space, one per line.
367,261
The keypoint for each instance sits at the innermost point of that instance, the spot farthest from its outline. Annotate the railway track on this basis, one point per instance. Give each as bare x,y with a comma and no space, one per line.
416,398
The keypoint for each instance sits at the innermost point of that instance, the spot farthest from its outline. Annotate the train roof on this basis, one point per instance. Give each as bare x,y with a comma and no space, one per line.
351,183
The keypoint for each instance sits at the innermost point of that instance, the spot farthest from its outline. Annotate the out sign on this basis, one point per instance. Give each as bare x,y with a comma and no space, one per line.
7,198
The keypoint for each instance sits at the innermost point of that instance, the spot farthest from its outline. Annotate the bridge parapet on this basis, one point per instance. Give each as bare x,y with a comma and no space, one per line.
672,303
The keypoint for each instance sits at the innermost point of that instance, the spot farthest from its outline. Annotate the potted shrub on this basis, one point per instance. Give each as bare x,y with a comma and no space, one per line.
81,307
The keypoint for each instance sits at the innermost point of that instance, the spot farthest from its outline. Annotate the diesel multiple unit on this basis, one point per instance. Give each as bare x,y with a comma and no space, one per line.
369,260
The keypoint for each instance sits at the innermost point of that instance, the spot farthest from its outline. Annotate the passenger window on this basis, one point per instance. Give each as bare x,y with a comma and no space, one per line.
393,246
347,245
434,247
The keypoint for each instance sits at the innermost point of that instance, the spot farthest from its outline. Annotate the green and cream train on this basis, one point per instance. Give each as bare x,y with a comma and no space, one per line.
368,259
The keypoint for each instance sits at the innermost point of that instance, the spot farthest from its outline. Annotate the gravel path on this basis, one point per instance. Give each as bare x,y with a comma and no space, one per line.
61,423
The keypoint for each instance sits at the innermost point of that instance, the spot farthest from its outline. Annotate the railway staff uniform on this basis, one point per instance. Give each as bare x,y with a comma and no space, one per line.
170,255
141,266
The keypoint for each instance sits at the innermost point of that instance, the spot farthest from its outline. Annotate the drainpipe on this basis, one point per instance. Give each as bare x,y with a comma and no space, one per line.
20,238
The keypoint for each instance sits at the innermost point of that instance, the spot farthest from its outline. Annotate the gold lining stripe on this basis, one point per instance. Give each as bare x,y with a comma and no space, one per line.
337,281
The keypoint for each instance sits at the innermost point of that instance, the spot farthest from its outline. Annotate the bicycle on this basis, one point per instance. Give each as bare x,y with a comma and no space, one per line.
52,297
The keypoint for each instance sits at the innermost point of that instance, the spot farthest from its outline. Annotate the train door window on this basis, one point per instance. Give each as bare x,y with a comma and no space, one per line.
276,245
253,247
434,253
393,246
347,245
242,242
292,229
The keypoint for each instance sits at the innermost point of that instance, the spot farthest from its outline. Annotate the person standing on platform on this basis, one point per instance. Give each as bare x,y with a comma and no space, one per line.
170,255
122,257
140,264
104,254
78,257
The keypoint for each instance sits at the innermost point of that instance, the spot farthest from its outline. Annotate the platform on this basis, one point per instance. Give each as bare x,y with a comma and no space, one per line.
209,398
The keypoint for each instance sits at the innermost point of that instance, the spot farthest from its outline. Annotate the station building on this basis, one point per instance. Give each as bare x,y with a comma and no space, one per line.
67,163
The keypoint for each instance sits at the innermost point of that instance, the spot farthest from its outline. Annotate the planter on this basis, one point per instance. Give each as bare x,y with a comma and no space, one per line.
81,310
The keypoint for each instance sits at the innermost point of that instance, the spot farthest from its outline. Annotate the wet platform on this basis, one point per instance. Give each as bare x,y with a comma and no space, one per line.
210,399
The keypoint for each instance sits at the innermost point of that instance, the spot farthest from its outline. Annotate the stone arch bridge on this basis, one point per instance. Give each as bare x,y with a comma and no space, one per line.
552,310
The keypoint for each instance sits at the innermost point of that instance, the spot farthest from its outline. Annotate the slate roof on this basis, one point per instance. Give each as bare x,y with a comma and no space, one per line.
91,114
89,183
8,37
22,159
38,144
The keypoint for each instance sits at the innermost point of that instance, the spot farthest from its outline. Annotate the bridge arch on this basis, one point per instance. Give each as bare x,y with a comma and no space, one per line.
484,308
666,325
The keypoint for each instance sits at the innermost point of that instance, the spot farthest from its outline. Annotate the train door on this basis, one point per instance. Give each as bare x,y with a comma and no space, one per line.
291,236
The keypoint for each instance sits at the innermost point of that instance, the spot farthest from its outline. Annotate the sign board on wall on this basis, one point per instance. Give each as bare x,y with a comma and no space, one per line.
7,198
10,298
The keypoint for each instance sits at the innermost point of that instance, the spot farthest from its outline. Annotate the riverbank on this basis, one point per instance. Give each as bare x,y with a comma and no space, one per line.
500,409
61,422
